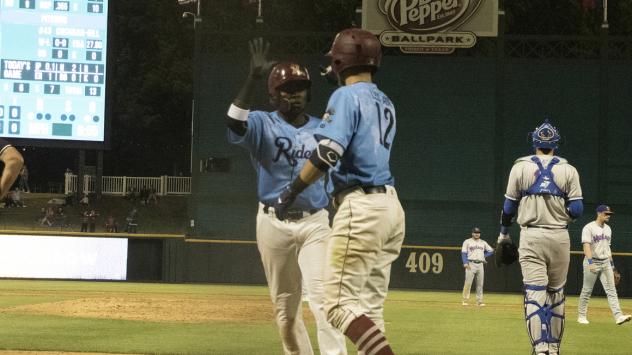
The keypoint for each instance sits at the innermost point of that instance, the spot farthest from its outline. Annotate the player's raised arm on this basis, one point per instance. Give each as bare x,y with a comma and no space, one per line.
13,162
259,65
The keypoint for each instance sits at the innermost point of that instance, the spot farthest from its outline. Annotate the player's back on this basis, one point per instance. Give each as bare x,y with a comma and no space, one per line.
542,210
367,155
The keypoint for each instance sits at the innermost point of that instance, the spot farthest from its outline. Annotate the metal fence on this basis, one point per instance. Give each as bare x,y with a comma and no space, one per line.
120,185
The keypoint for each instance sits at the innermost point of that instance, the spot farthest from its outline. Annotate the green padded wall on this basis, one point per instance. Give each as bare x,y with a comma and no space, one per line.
444,153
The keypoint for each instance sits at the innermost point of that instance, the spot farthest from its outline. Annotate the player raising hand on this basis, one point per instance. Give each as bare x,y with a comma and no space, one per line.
292,248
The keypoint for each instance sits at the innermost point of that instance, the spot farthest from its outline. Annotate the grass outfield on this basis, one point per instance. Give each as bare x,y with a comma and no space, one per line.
119,317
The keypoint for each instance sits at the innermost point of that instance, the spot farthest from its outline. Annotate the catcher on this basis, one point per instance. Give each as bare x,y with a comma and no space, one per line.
596,238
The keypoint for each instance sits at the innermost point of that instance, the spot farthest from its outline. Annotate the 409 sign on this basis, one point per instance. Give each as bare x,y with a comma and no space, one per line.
425,262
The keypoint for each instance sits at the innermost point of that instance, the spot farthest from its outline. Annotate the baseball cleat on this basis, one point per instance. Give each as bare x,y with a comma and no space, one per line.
481,304
623,318
464,303
582,320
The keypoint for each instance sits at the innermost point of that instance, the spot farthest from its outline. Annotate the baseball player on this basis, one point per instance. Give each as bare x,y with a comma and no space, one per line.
292,249
544,191
13,163
355,141
598,264
473,252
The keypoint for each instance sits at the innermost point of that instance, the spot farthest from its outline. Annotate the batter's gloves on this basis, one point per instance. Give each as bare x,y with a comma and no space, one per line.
283,202
617,277
259,64
506,251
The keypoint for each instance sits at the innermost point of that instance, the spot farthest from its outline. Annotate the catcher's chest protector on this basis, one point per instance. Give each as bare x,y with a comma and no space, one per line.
544,183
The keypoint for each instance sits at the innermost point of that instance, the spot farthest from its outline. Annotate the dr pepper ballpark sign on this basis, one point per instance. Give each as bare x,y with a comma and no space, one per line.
430,26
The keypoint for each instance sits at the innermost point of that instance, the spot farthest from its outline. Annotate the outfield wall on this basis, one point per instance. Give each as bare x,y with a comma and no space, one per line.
418,267
174,258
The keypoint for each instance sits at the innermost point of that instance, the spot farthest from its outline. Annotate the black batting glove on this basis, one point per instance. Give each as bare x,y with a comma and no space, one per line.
283,202
259,63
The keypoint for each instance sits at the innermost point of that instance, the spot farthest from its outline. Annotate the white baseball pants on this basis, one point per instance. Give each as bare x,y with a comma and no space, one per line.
368,231
293,253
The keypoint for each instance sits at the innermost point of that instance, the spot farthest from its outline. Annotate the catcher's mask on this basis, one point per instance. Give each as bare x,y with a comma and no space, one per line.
545,136
289,87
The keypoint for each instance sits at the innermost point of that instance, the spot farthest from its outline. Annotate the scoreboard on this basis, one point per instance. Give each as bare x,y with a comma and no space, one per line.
53,69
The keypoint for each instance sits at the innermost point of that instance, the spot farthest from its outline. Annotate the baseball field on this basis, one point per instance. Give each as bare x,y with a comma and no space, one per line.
64,317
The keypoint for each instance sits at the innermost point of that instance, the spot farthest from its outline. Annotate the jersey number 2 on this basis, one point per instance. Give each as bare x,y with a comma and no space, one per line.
388,116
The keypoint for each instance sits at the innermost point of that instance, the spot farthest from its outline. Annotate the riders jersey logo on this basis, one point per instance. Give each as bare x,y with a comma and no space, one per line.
286,149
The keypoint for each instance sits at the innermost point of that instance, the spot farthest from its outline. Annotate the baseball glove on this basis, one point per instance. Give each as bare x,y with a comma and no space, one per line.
506,252
617,277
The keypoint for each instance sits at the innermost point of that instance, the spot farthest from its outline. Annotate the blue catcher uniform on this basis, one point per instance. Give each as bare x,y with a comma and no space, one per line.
368,229
292,251
544,191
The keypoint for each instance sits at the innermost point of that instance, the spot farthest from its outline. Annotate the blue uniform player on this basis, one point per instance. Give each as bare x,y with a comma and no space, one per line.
355,141
292,248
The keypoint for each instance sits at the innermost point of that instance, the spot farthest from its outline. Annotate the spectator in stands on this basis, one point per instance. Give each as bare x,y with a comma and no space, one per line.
60,216
110,225
13,162
85,218
144,195
92,220
153,196
16,196
132,221
8,200
24,179
131,194
49,217
85,200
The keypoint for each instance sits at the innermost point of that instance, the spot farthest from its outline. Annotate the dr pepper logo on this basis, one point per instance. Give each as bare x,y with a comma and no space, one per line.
423,16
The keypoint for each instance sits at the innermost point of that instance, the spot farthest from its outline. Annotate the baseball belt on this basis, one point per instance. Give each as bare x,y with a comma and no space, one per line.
476,261
292,214
529,226
380,189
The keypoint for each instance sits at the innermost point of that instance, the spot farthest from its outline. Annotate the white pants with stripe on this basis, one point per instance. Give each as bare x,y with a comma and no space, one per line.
293,254
368,231
605,274
476,270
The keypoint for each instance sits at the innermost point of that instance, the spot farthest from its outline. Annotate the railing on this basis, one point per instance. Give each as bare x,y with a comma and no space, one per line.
120,185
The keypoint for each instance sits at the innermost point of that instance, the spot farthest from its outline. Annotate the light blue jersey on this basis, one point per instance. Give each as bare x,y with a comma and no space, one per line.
360,118
278,152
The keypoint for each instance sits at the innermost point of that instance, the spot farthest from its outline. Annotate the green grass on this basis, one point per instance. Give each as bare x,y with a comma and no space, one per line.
417,323
169,216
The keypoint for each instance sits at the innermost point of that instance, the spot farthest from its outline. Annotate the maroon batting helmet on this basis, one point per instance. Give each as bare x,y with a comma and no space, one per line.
285,72
355,47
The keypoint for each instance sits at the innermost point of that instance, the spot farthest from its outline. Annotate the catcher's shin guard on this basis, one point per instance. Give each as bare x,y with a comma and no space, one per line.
557,299
544,315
